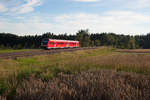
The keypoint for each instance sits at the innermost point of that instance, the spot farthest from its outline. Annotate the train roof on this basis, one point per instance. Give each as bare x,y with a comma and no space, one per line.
60,40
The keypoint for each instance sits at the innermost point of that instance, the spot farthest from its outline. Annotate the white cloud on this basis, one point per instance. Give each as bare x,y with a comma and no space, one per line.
27,7
3,8
25,10
20,7
86,0
126,22
20,17
134,4
143,3
29,26
122,22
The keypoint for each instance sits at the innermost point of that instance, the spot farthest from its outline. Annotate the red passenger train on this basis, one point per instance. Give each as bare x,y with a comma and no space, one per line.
53,43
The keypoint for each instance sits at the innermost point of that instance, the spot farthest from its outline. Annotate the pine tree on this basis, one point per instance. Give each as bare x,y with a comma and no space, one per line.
84,38
97,42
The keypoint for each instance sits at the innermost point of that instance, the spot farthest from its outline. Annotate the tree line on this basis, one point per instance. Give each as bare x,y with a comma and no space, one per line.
11,41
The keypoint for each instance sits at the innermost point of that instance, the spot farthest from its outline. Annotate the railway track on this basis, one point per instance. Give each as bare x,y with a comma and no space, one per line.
14,55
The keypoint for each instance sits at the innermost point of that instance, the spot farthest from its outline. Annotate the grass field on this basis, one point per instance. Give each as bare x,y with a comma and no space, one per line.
77,75
14,50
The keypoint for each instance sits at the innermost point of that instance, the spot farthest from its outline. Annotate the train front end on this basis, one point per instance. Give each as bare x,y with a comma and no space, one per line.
44,43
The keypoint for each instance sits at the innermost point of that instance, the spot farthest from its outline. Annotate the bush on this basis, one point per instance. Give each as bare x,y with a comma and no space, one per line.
2,46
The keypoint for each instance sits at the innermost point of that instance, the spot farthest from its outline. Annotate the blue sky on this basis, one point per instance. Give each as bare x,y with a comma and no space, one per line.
30,17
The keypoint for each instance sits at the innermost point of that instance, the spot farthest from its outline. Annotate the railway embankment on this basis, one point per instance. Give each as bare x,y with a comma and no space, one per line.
14,55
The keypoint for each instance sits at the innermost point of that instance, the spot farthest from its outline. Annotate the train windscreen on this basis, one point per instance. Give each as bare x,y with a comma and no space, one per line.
45,41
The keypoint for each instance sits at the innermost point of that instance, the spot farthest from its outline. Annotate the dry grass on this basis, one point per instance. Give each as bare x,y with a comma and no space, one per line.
134,50
15,50
92,85
126,62
47,67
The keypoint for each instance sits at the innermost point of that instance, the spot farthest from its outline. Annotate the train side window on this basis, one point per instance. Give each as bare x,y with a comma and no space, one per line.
60,43
72,43
51,43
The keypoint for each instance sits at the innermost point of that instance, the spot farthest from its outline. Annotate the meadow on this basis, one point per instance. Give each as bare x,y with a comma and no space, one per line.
14,50
99,74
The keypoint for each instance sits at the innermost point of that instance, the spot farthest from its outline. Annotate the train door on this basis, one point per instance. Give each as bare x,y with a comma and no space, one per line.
57,44
54,44
77,44
67,44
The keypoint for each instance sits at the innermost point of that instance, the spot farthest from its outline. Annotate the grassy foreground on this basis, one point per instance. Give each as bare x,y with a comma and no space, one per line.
18,76
14,50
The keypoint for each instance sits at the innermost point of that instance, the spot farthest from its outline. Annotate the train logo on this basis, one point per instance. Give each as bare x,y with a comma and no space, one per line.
54,43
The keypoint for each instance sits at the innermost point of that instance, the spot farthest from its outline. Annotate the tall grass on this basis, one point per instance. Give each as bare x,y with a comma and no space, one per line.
47,67
91,85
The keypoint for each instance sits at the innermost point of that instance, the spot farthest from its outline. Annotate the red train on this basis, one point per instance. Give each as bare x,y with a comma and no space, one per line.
53,43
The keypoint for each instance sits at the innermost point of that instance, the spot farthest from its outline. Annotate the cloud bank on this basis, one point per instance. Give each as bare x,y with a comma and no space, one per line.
121,22
26,6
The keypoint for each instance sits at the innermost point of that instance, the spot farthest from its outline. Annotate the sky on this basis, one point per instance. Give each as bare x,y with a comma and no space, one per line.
31,17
